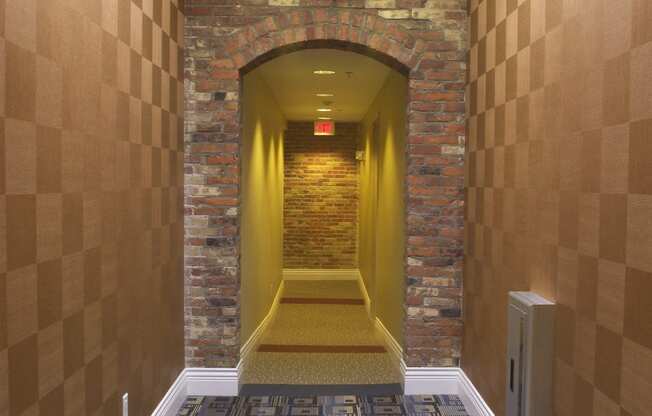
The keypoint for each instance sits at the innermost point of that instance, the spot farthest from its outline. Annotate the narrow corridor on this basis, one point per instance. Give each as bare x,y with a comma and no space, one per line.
187,185
321,335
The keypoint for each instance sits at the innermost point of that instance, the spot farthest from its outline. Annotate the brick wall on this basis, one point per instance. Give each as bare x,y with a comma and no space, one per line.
320,210
423,39
560,196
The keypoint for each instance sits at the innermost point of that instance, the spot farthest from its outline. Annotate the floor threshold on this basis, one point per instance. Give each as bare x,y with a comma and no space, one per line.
320,389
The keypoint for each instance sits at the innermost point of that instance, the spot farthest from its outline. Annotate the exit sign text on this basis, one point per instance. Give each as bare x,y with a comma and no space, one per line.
324,128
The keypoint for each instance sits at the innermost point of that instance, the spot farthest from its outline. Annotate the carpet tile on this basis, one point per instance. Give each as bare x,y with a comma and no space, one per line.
345,405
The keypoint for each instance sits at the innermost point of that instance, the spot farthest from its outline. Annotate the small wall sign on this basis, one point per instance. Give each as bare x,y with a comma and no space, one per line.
324,128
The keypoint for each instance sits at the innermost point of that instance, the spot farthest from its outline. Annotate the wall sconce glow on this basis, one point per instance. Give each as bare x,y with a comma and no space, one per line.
323,72
324,110
324,94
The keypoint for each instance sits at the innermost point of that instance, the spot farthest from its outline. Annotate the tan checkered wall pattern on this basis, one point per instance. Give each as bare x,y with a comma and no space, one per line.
91,237
559,194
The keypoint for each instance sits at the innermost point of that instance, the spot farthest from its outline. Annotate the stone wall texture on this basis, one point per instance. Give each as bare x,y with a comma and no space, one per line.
320,209
560,194
426,41
91,210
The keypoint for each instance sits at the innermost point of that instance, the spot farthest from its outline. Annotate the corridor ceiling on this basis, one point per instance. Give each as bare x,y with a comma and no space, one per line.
354,85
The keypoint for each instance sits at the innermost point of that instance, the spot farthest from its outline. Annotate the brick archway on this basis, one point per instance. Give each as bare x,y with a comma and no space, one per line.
434,181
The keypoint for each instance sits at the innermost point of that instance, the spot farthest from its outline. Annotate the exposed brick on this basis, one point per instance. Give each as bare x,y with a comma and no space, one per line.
423,39
320,212
380,4
283,2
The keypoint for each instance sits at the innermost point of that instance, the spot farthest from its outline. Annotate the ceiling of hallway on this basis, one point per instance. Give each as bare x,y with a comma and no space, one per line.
354,85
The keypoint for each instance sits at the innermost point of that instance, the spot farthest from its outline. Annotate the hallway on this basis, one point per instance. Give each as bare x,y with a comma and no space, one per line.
328,248
321,335
309,207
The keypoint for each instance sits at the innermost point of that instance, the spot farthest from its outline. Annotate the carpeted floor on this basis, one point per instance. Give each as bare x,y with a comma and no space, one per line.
321,335
321,355
424,405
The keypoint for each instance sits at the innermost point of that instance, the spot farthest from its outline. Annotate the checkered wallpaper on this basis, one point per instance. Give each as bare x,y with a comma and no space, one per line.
91,238
559,197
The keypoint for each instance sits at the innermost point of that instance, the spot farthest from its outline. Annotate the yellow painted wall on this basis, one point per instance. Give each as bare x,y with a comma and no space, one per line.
261,244
382,203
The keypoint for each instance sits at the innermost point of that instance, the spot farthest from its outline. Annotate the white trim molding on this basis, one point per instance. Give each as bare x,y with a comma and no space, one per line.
365,295
254,339
394,347
446,380
212,381
320,274
471,396
174,397
435,380
431,380
418,380
197,382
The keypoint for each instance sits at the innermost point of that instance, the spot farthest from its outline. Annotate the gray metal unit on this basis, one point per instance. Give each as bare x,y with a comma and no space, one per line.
529,355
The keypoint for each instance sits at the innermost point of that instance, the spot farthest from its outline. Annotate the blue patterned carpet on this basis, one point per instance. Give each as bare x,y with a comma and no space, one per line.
424,405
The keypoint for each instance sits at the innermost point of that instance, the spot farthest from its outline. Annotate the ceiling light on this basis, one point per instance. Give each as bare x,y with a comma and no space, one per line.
323,72
324,94
324,118
324,110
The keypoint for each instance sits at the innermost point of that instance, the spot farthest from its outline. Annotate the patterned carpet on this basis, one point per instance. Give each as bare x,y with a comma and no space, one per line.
424,405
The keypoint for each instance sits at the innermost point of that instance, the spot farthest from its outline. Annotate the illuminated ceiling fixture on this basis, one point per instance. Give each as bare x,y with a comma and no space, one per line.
324,118
323,72
324,94
324,110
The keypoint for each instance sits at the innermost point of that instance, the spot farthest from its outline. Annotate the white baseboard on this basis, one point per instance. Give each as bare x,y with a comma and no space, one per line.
394,347
320,274
365,295
431,380
253,340
471,397
446,380
198,382
212,381
417,380
173,399
435,380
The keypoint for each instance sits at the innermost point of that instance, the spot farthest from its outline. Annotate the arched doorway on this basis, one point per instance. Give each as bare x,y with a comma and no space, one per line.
433,187
322,232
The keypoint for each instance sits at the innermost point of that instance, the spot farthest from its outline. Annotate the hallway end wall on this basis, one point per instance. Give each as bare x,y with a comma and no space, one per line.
91,205
560,194
261,233
321,198
382,203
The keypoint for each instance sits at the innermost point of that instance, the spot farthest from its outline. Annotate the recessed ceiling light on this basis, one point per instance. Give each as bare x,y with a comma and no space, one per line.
324,110
324,94
323,72
324,118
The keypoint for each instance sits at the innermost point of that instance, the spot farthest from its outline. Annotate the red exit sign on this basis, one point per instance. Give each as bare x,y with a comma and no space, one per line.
324,128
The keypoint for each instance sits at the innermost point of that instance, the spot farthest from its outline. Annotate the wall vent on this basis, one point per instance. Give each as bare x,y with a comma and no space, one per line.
529,355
